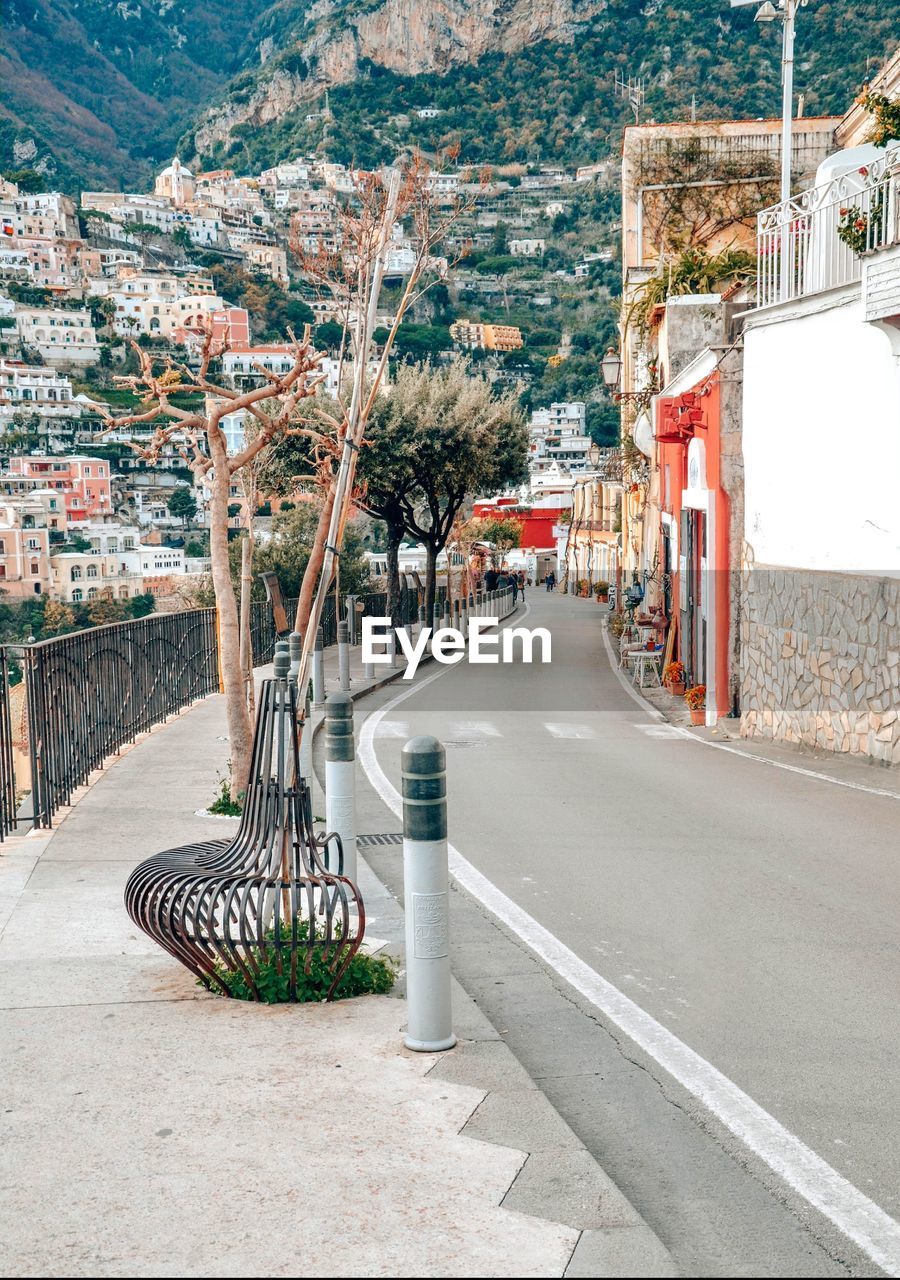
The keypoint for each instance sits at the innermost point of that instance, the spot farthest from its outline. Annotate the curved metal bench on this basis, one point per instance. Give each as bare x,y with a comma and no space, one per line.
273,892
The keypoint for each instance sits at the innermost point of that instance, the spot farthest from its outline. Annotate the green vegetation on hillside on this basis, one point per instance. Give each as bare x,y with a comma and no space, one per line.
570,112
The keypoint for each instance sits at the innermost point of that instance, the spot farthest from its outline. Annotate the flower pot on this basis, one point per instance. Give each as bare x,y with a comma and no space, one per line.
603,599
698,715
676,688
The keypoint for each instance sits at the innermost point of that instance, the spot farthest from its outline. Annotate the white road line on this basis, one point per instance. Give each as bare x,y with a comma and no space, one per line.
480,728
660,730
854,1214
582,731
736,751
393,729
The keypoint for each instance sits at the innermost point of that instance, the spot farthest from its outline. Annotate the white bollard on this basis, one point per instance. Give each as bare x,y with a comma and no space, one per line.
343,647
306,738
340,777
392,647
426,897
318,670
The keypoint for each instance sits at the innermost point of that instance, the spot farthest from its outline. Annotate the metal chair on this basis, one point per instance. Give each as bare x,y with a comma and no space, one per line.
273,892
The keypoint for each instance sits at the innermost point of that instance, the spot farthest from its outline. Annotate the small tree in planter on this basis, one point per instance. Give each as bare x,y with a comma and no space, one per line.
601,590
673,677
695,698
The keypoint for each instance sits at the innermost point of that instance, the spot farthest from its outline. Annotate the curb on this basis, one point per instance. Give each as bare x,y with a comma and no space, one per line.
559,1180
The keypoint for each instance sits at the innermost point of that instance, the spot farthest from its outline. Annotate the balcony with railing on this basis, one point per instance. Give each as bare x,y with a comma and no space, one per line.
822,238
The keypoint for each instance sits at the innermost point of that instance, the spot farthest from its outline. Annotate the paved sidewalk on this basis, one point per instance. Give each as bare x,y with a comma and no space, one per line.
153,1129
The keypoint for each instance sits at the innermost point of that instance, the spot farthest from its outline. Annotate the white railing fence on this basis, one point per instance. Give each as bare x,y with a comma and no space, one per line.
816,240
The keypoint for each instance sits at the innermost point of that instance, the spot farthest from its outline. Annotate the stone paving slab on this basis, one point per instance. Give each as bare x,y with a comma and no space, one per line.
152,1129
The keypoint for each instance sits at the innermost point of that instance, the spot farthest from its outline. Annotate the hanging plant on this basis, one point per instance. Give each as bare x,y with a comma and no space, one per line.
861,229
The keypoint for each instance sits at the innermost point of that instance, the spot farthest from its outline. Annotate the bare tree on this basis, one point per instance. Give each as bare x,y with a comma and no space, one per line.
273,407
353,274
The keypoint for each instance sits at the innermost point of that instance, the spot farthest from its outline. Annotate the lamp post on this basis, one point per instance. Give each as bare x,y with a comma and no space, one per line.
765,14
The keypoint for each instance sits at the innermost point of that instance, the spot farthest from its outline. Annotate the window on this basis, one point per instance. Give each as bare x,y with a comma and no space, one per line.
77,595
92,593
35,568
76,573
91,571
37,588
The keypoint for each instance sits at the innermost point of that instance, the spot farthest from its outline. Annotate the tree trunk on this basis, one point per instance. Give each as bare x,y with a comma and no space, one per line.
246,633
430,581
394,538
314,564
240,731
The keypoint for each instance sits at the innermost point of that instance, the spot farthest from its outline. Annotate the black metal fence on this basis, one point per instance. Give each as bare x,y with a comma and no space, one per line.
92,692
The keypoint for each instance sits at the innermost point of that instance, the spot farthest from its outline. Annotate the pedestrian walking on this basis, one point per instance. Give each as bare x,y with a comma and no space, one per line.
550,580
490,579
514,583
522,582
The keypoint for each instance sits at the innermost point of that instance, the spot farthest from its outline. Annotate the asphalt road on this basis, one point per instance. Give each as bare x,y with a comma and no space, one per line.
750,911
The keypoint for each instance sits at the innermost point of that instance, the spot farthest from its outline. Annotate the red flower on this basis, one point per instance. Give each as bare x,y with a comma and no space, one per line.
864,171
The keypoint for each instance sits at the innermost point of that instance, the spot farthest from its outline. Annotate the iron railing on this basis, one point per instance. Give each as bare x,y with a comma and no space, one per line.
93,692
798,245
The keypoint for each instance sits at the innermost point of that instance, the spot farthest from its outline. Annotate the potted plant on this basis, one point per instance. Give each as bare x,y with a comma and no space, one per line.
602,592
695,698
584,588
673,678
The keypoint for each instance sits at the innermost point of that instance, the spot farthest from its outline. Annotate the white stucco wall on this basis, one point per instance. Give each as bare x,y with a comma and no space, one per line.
821,439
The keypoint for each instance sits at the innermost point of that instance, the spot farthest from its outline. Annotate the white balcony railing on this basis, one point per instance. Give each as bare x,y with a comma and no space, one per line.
799,250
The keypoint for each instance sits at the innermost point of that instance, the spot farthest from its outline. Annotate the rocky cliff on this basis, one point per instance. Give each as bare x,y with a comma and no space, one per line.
410,37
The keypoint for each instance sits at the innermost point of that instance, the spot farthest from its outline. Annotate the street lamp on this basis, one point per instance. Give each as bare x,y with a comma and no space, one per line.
594,454
767,13
611,368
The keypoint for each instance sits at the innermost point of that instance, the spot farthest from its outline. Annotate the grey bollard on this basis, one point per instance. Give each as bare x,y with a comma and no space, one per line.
318,669
426,896
421,620
448,615
281,660
392,647
340,777
343,646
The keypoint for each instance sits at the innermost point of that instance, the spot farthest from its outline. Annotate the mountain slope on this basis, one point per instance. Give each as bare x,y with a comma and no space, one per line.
524,80
99,91
103,88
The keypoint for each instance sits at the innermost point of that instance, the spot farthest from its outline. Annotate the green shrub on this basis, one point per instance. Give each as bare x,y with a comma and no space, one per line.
365,975
223,805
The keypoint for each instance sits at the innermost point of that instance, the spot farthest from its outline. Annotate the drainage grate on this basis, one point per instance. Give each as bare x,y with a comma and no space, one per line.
382,837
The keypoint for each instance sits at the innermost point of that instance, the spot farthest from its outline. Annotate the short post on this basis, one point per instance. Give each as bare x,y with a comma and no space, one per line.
392,646
306,737
447,613
295,649
352,619
343,636
421,620
426,896
455,623
318,669
340,777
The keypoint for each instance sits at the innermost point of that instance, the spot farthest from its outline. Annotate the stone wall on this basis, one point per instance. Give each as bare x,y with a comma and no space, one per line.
820,660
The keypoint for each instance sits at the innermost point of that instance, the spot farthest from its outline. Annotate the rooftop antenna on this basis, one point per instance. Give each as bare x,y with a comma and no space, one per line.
633,91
